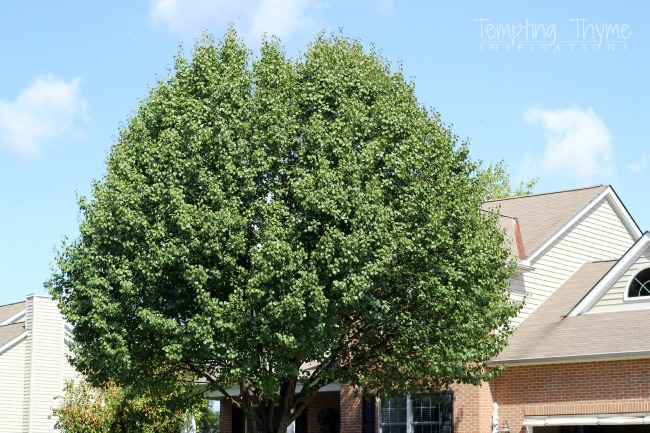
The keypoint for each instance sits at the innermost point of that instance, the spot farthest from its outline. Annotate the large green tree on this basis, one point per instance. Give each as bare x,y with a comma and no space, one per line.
273,226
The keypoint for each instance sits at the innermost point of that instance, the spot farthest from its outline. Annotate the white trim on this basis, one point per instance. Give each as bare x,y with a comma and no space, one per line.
622,212
618,207
577,420
11,343
564,359
14,318
235,391
617,271
522,267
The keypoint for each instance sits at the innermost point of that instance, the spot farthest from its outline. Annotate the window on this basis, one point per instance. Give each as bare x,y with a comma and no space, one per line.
416,414
639,286
393,415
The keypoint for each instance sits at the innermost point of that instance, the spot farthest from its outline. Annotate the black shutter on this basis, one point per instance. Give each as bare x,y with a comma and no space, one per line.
237,420
368,414
447,412
301,422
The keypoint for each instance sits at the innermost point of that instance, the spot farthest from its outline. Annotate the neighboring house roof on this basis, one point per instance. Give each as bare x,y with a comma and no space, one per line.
9,332
10,310
533,220
547,335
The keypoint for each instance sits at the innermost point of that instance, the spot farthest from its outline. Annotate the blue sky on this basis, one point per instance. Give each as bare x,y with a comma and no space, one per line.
557,89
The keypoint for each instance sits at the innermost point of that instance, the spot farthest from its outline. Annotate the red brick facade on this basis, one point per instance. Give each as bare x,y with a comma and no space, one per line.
472,408
350,411
225,417
587,388
572,389
322,400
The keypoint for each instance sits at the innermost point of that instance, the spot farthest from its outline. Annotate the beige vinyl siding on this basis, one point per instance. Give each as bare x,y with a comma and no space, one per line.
598,235
613,299
32,372
12,383
46,381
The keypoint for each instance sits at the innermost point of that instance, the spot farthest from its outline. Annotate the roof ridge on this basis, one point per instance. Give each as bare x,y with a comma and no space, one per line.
546,193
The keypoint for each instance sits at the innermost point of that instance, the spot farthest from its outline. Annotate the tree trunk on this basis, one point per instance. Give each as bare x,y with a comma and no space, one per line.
267,418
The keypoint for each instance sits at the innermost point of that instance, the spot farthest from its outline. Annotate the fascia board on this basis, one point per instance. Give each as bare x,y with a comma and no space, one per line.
235,391
625,216
566,359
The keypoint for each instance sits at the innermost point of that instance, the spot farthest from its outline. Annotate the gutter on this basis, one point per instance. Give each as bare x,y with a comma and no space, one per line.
563,359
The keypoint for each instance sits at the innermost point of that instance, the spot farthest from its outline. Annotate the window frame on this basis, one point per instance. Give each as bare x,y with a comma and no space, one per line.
626,297
409,415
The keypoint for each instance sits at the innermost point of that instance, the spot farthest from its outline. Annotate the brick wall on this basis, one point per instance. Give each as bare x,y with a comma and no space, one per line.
322,400
225,416
572,389
552,389
472,408
351,414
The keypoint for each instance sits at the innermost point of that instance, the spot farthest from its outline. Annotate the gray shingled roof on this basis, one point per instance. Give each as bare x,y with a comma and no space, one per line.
548,335
6,311
9,332
540,216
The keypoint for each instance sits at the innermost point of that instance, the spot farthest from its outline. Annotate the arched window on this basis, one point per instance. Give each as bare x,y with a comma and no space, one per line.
640,285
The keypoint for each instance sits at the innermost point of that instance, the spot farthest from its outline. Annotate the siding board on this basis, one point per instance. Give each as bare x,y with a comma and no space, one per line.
12,378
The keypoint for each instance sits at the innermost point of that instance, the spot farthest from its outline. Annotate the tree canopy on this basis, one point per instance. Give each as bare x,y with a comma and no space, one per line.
496,181
272,226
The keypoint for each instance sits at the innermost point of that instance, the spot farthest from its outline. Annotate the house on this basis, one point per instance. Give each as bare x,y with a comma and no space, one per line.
579,359
33,363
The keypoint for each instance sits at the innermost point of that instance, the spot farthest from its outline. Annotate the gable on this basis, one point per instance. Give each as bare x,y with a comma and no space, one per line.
540,216
614,297
599,234
606,292
534,223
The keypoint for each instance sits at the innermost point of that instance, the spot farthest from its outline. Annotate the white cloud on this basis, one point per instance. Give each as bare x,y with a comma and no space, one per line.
197,15
639,165
281,18
47,110
578,144
386,7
